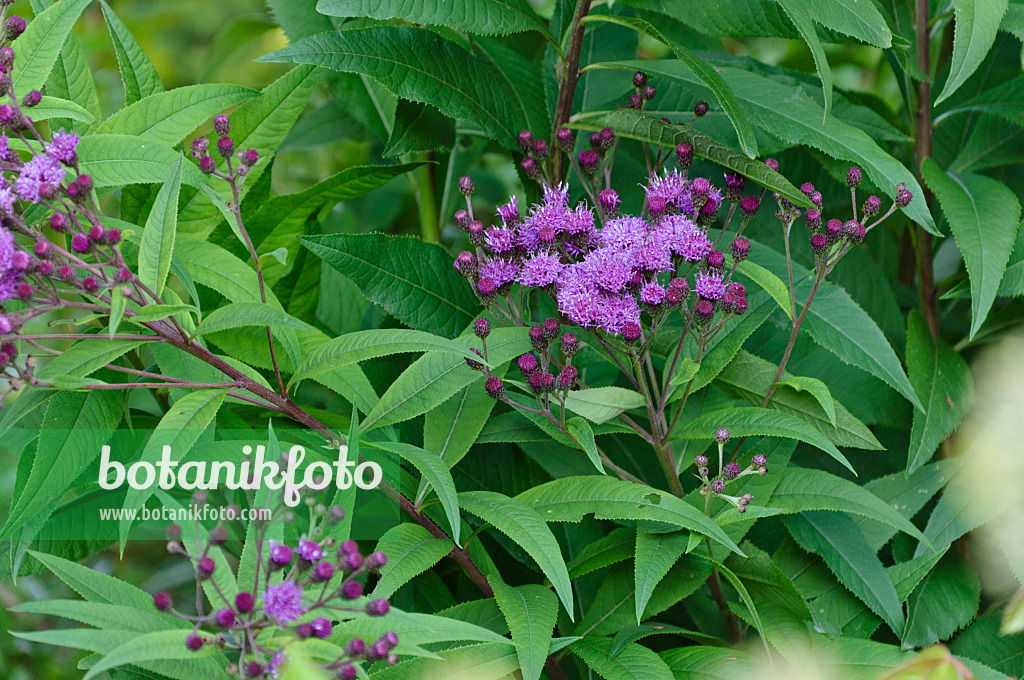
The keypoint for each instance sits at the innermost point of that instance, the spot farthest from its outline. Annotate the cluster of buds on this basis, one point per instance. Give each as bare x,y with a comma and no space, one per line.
244,159
295,590
832,239
714,487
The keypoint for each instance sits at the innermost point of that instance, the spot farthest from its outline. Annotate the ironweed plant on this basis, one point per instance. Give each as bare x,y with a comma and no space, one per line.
659,342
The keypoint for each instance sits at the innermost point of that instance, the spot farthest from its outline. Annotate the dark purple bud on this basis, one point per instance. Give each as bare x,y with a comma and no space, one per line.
13,27
734,185
80,243
609,201
194,642
348,672
323,571
162,601
466,186
225,146
701,460
656,205
528,363
819,243
207,164
740,249
199,147
352,561
700,186
304,630
84,183
650,92
684,155
218,535
872,205
530,168
96,233
525,141
636,100
472,363
376,560
461,219
225,618
486,288
540,149
588,160
113,237
853,177
813,219
280,554
540,382
701,109
476,232
250,157
833,230
58,221
378,607
7,113
352,590
49,192
32,99
704,311
45,268
631,331
244,602
721,435
565,139
595,140
124,275
551,328
321,627
205,567
773,164
903,197
221,124
537,337
759,460
639,80
495,388
66,273
355,647
567,378
465,263
718,486
715,260
482,328
6,52
732,470
41,248
570,345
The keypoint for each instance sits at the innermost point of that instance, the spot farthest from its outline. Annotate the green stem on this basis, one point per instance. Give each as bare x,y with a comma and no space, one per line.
426,198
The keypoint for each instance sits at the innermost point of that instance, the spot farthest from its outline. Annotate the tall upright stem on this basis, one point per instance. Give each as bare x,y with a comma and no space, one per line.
567,86
925,271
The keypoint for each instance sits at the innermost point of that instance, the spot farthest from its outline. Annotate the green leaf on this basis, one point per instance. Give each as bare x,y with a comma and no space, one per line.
601,404
836,539
530,611
87,356
361,345
488,661
450,429
983,215
120,160
570,498
815,388
239,314
616,546
101,615
907,494
527,527
702,69
803,489
685,372
149,313
435,472
794,117
580,430
771,283
411,550
655,555
629,635
117,306
419,65
40,45
180,428
745,422
1013,616
801,14
481,17
941,374
53,107
166,644
634,662
167,117
76,426
95,586
974,32
138,74
433,378
157,243
855,18
644,127
943,603
412,279
419,127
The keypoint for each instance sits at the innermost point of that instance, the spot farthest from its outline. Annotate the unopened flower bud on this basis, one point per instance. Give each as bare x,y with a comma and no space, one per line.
718,486
813,219
721,435
472,363
903,197
631,331
567,378
565,139
530,168
853,177
205,567
772,163
731,471
244,602
610,202
551,328
649,92
221,124
525,140
540,149
715,260
466,186
482,328
684,155
872,205
704,312
32,99
528,363
378,607
541,382
636,100
162,601
701,109
199,147
818,244
13,27
207,165
194,642
494,387
376,560
225,618
701,460
588,161
249,157
225,146
90,284
639,80
740,249
833,231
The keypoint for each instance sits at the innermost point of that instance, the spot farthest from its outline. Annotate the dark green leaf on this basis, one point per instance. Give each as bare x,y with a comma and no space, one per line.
530,611
157,245
419,127
137,71
411,550
944,602
634,662
975,28
40,45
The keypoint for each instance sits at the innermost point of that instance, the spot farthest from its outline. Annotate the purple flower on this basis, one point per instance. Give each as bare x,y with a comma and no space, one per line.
557,196
310,551
543,216
501,239
5,149
623,233
542,269
6,198
273,668
688,240
609,269
616,311
283,602
580,221
8,276
509,212
37,172
280,553
63,147
653,255
709,286
652,294
578,298
500,272
672,188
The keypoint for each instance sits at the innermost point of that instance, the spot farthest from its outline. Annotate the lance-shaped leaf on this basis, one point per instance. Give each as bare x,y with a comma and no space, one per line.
984,216
530,612
800,14
411,550
419,65
634,662
157,243
655,555
40,45
120,160
974,32
137,71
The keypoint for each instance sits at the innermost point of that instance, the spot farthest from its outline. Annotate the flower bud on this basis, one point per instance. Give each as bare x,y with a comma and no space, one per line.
472,363
718,486
588,161
194,642
684,155
639,80
631,331
162,601
352,590
280,554
466,186
476,232
249,157
701,460
759,460
903,197
482,328
323,571
818,244
530,168
207,165
872,205
244,602
199,147
715,260
13,27
704,312
376,560
740,249
225,618
321,627
218,535
32,99
525,141
567,378
610,202
6,52
486,288
45,268
570,345
205,567
734,185
649,92
701,109
113,237
304,630
721,435
537,337
636,100
528,363
853,177
225,146
494,387
96,233
221,124
378,607
123,275
58,222
24,290
540,149
541,382
833,231
565,139
772,163
813,217
731,471
551,328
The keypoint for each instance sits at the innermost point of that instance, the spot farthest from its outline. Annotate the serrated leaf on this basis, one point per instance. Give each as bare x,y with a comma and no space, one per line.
644,127
488,661
411,550
944,602
634,662
815,388
167,117
154,312
157,244
570,498
149,647
855,18
984,216
1013,616
744,422
419,127
180,428
118,302
481,17
120,160
361,345
528,529
54,107
771,283
93,585
580,430
803,489
705,71
419,65
631,634
655,555
837,540
138,74
601,404
974,31
412,279
87,356
239,314
801,15
530,611
101,615
40,45
618,545
791,115
941,374
684,372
